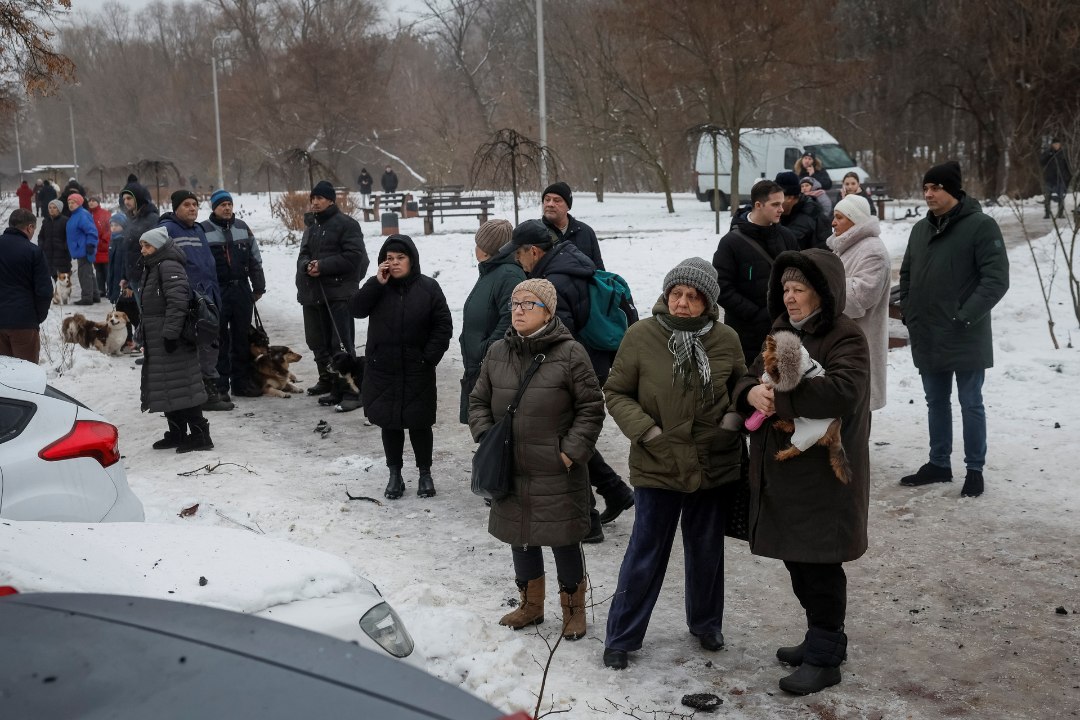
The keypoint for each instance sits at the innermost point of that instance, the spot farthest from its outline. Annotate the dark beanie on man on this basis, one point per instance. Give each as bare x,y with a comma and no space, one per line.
947,175
180,196
788,182
324,189
562,190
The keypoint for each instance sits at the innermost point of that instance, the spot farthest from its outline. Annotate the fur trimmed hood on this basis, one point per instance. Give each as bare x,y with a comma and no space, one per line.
870,227
825,272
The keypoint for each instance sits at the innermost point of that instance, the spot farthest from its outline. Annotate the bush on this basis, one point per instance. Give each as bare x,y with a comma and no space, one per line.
290,207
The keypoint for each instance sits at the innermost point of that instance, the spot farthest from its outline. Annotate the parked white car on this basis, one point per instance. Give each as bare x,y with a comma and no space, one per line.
59,460
206,565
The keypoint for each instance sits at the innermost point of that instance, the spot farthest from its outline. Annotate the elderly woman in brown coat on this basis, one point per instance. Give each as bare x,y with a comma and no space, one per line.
799,511
555,429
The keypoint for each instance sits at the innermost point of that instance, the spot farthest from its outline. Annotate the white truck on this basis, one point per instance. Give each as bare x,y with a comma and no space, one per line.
764,153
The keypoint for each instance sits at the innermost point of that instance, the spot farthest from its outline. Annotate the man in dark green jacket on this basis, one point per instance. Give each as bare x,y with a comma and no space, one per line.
955,270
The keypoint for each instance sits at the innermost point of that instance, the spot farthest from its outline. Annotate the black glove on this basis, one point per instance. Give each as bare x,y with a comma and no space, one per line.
170,345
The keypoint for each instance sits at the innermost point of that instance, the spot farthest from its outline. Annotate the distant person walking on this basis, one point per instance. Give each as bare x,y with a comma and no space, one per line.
389,180
45,195
1056,175
365,182
25,288
25,195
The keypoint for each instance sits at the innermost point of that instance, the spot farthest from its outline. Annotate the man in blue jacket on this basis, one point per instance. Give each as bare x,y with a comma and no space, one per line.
82,240
202,275
25,289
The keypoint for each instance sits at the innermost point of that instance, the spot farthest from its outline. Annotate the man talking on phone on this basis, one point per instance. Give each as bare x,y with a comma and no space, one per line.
331,263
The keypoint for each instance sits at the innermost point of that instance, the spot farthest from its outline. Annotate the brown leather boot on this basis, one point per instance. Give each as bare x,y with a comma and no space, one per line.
531,609
573,612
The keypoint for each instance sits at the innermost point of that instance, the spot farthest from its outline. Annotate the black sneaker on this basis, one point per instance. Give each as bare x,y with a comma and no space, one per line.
973,484
926,475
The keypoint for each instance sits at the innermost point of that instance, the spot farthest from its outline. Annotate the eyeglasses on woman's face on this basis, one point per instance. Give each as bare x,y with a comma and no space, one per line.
525,305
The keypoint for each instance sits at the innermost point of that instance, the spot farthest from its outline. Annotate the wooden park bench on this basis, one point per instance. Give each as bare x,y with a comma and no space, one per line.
388,202
443,189
880,194
444,205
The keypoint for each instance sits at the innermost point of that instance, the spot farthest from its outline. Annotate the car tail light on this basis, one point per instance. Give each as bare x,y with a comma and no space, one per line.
88,438
7,590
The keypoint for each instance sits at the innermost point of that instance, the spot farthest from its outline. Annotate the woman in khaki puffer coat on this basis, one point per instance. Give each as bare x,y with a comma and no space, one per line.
555,429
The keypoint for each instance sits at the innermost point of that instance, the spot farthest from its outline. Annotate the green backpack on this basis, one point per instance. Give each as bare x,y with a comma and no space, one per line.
611,312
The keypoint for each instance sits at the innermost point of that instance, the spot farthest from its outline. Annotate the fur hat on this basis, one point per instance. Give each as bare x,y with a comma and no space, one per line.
532,232
948,176
562,190
789,182
325,190
855,208
156,237
180,196
794,274
219,196
493,234
698,274
542,289
79,199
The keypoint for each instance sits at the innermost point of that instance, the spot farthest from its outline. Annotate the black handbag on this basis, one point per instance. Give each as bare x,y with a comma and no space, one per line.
737,502
493,461
202,322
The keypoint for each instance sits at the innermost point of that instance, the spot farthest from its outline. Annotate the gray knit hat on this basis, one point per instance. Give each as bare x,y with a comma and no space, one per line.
156,237
493,234
698,274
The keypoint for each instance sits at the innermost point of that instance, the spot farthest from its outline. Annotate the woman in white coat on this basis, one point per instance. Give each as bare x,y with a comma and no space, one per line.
867,271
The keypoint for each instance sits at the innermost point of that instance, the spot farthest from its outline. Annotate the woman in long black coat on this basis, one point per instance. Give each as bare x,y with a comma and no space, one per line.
409,330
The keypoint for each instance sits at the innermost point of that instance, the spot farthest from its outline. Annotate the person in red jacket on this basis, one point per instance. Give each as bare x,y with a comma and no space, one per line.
103,223
26,195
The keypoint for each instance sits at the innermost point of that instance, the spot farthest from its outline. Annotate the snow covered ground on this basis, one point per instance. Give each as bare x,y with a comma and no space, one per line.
952,611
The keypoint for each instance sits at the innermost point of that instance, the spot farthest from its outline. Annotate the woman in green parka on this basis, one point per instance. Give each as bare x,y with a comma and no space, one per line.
487,309
669,390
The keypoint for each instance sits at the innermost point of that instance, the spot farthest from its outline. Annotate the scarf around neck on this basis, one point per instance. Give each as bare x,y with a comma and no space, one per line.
686,347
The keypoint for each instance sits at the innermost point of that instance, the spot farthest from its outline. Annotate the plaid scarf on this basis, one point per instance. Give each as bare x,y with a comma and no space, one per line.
685,346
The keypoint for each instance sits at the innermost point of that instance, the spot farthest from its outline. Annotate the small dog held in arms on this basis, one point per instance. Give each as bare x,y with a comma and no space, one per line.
787,363
61,289
272,371
107,337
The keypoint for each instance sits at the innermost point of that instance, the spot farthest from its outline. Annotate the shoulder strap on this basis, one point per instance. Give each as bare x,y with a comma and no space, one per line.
750,241
525,382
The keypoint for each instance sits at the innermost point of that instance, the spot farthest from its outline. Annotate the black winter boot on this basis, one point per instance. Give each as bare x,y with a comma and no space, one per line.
616,500
425,486
973,484
198,438
927,474
792,654
173,437
325,383
825,650
395,488
214,402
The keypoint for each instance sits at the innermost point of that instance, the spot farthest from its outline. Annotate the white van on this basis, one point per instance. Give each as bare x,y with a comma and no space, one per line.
766,152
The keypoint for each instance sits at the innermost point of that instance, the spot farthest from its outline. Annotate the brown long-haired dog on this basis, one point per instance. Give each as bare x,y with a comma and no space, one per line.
787,363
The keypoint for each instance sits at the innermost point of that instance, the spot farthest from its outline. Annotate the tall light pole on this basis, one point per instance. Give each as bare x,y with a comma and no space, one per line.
543,91
74,156
18,147
217,111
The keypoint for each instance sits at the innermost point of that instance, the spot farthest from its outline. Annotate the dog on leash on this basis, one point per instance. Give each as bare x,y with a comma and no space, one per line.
107,337
272,371
787,364
61,289
350,369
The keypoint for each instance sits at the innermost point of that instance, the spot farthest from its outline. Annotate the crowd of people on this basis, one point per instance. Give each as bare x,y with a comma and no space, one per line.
681,385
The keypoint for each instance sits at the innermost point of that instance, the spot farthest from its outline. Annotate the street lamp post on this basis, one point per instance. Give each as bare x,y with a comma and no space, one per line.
217,111
74,156
542,99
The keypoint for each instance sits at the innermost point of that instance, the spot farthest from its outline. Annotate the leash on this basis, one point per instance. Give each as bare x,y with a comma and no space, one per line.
258,320
341,344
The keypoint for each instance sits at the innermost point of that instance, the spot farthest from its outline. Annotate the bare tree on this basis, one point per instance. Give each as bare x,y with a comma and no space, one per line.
510,157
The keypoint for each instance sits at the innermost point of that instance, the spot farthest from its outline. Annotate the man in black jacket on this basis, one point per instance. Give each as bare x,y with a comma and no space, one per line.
570,271
389,180
242,282
1056,176
557,200
25,289
803,216
743,262
331,263
143,216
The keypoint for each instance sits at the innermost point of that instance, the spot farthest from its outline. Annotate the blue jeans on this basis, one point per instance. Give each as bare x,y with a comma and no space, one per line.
938,389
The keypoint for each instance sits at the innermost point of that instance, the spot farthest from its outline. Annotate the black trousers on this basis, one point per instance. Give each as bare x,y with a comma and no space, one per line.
234,350
319,333
569,564
422,439
822,591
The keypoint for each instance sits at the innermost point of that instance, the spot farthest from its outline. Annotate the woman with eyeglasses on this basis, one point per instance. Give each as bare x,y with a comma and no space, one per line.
409,330
555,429
670,392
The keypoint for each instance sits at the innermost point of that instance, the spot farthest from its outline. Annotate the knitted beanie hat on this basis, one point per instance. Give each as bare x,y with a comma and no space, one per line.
57,204
79,200
855,208
794,274
542,289
156,237
562,190
698,274
493,234
947,175
120,219
324,189
219,197
180,196
789,182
